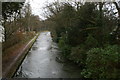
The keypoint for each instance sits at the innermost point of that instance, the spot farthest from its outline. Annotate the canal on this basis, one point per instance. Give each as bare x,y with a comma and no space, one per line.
41,61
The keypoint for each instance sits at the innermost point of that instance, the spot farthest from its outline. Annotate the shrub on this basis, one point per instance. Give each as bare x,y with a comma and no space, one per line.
78,55
102,63
65,48
91,42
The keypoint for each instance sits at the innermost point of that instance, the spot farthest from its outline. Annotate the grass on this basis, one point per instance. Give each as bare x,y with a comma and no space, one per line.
15,54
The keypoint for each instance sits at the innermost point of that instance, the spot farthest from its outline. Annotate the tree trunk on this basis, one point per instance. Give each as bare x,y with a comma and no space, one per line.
118,27
118,8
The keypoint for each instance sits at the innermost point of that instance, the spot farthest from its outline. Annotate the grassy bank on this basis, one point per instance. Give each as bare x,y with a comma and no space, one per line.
15,55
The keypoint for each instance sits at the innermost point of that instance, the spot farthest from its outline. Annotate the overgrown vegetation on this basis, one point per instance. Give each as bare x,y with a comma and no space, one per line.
19,23
102,62
87,35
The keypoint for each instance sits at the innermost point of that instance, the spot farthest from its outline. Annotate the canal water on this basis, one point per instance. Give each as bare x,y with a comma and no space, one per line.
41,61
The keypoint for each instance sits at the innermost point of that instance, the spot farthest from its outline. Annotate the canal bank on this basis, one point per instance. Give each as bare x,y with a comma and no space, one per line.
9,67
42,61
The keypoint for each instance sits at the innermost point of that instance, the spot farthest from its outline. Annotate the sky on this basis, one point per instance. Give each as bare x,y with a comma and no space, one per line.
37,6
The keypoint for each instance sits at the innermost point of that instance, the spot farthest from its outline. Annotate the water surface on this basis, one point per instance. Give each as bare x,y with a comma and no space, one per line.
41,61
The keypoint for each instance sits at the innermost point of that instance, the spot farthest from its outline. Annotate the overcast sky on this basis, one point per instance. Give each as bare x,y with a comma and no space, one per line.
37,6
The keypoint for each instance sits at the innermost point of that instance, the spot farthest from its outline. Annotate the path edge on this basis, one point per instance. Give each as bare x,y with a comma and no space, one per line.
15,66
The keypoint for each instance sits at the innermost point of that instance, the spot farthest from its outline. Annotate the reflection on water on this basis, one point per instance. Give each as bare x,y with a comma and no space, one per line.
41,61
34,48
